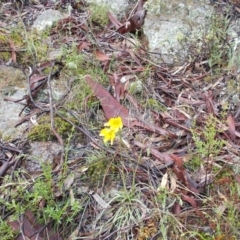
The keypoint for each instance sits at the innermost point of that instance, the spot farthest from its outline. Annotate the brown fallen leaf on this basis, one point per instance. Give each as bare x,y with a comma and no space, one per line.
101,56
176,208
111,107
82,45
31,229
181,173
113,21
36,83
149,127
209,102
231,127
189,199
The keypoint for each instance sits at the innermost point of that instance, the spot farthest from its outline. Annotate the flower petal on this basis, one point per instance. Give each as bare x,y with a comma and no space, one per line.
115,123
108,134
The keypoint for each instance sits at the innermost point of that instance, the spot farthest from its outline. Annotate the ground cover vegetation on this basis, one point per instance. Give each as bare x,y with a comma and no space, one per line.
148,151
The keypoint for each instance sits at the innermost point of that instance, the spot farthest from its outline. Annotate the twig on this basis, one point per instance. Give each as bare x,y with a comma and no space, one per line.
53,129
133,10
30,92
10,50
10,148
6,166
21,227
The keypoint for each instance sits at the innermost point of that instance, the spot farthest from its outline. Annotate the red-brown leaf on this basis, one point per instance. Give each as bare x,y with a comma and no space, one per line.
82,45
189,199
231,126
101,56
110,105
30,227
176,208
135,22
181,173
114,21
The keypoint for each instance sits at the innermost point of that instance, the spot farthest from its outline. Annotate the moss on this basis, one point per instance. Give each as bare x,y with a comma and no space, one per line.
75,62
99,14
233,87
79,64
16,37
98,170
10,79
4,43
42,131
62,126
35,44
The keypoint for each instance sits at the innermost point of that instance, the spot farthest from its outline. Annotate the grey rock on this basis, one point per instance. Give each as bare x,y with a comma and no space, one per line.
118,8
12,85
233,32
46,19
41,152
172,27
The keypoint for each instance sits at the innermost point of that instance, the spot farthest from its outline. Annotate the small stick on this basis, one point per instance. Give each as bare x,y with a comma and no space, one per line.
53,129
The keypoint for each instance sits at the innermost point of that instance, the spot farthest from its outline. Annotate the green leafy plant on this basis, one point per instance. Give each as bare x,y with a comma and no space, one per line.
41,193
207,142
216,39
6,232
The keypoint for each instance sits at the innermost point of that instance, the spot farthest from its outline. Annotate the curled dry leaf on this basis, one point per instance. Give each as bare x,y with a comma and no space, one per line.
100,201
176,208
136,21
173,182
164,181
69,181
116,85
189,199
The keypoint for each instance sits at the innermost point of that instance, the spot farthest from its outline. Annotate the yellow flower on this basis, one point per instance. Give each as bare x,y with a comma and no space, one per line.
114,124
108,134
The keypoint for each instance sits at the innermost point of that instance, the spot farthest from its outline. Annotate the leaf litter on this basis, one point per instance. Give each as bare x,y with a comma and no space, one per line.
160,152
